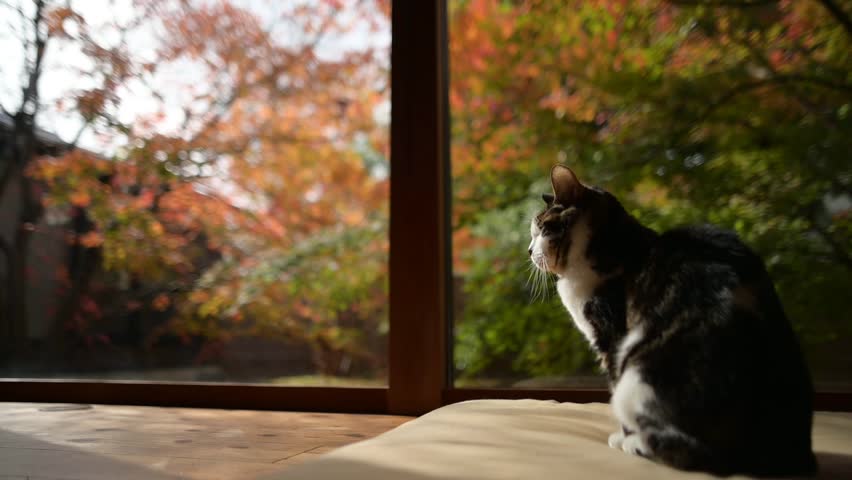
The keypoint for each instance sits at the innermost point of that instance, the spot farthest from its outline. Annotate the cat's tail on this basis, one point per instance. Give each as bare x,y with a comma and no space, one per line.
686,453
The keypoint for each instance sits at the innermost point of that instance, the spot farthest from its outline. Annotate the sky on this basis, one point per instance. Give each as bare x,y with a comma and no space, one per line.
137,101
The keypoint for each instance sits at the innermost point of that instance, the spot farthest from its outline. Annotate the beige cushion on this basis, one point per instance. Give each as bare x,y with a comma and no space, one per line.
526,439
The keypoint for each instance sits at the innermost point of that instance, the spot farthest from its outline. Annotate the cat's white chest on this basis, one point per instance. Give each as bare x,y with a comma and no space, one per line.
575,293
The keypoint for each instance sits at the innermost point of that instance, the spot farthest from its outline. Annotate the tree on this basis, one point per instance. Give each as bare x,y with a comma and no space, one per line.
43,26
263,210
730,112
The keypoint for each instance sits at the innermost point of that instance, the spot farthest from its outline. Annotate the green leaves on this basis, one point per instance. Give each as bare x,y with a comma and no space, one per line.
735,116
504,334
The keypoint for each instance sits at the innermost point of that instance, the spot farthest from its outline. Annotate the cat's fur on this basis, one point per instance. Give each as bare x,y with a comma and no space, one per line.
705,370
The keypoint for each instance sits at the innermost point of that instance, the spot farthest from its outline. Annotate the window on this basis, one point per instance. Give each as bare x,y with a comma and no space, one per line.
733,113
423,300
203,195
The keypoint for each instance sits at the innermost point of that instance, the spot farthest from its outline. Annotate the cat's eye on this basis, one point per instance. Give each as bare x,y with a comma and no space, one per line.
547,197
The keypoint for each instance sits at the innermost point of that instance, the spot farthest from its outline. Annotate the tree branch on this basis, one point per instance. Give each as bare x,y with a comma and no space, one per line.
6,250
722,3
838,14
30,92
73,144
756,84
810,213
805,103
833,8
841,254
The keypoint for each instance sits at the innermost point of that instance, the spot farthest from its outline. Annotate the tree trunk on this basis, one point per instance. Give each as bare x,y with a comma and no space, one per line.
19,274
6,287
29,212
18,151
81,265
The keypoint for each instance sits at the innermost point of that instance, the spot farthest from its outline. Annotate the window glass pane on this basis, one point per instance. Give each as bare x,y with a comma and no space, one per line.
688,113
195,191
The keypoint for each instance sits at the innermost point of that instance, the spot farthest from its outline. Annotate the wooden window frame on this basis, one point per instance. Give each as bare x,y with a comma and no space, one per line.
420,339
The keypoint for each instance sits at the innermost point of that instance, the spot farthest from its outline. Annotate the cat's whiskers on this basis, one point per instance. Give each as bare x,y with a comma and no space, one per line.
547,278
530,269
531,279
540,276
542,284
536,280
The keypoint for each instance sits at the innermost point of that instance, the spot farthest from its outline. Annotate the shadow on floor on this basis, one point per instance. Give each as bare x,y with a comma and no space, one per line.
24,456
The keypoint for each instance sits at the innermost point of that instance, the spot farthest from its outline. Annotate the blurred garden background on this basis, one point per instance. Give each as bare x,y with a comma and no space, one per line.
217,205
735,112
198,190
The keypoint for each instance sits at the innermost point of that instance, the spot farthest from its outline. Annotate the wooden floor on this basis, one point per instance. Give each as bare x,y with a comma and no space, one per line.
62,442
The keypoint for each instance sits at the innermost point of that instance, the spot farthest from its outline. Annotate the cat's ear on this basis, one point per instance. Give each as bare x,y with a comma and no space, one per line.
547,197
566,187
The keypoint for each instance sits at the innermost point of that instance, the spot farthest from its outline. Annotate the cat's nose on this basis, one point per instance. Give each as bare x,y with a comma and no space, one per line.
530,251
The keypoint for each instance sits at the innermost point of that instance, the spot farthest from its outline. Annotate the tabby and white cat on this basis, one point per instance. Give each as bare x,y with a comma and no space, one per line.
704,368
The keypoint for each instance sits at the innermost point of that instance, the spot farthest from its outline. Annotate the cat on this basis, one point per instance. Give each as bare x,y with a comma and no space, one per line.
705,371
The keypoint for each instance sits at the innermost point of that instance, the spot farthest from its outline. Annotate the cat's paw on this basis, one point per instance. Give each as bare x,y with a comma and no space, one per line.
616,439
633,445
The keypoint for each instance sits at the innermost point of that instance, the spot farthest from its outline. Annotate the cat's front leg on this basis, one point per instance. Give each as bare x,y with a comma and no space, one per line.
616,440
634,445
